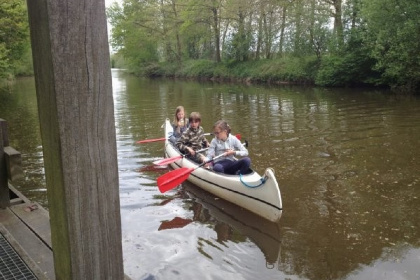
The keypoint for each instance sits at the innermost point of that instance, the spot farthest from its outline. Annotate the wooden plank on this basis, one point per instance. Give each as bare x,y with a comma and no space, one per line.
36,218
33,251
13,164
17,195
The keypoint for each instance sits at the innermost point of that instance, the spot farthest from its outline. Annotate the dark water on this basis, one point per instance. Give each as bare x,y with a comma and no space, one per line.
347,162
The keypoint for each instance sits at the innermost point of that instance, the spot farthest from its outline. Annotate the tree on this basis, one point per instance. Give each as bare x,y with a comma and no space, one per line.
14,35
336,12
216,28
136,33
392,33
201,28
240,38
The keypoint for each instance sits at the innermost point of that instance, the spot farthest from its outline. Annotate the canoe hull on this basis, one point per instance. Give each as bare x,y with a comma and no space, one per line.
258,194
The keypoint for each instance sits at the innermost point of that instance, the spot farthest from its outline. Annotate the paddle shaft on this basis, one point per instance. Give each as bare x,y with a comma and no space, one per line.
163,139
175,177
166,161
150,140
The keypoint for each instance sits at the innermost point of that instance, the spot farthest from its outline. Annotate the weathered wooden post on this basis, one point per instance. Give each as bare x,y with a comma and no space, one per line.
4,188
10,165
75,104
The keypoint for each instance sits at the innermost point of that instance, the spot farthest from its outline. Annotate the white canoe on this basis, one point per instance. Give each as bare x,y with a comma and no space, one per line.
256,193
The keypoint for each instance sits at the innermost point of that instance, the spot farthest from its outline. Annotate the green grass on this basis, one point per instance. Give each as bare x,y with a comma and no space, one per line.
286,70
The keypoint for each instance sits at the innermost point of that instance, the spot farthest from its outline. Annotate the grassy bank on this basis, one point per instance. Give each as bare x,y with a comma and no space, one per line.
330,71
285,71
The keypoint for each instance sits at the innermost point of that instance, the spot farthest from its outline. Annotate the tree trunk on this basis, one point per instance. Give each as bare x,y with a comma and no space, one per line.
178,40
261,18
338,24
216,32
282,29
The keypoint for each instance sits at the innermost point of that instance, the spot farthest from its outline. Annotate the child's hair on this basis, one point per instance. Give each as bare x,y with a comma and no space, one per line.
194,116
222,125
177,110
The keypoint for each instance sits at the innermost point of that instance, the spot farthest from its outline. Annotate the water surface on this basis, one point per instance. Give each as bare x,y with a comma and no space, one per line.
347,162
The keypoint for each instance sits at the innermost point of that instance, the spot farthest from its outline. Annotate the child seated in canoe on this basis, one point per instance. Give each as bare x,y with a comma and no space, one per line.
179,124
228,144
193,139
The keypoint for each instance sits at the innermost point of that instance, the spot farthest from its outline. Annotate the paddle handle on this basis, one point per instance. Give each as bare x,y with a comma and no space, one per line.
208,161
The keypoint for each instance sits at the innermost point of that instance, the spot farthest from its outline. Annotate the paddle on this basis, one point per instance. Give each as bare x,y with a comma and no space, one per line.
161,139
167,161
150,140
175,177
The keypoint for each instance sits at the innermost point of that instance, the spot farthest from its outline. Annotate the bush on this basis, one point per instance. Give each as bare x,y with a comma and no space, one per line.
352,68
198,68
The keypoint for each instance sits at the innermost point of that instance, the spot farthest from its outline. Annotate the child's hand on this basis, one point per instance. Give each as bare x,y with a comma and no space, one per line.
203,159
230,152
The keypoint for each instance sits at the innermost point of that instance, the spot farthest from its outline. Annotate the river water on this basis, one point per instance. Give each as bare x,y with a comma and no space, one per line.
347,162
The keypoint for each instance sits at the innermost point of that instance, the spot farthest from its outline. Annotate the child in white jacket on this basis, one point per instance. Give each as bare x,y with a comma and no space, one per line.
228,144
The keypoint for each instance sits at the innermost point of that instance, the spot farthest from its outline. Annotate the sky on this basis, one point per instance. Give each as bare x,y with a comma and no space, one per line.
109,2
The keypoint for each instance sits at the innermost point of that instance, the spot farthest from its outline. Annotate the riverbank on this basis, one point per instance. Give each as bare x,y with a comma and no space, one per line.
290,71
328,72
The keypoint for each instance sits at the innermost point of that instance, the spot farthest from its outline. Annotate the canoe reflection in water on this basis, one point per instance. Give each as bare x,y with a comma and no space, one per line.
229,221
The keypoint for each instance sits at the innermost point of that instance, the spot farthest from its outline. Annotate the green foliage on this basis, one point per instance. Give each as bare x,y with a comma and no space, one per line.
195,18
198,68
361,42
286,70
4,61
162,69
24,66
290,70
394,39
137,45
351,68
333,71
118,61
14,38
152,70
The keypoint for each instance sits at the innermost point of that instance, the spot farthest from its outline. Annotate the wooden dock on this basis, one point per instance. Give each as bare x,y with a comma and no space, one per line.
25,227
25,233
25,240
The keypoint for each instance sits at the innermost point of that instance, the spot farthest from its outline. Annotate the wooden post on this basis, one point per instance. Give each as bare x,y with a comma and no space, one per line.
13,164
4,187
10,165
5,131
75,104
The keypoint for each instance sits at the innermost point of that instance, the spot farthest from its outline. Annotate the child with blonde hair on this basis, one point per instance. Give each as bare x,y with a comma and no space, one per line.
179,124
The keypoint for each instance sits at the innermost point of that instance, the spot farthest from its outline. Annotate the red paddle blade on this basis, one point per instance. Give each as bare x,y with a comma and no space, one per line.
176,222
172,179
166,161
150,140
